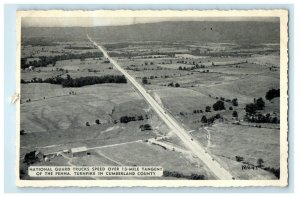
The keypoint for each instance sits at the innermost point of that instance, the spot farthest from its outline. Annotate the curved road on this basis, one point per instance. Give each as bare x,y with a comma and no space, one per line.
193,145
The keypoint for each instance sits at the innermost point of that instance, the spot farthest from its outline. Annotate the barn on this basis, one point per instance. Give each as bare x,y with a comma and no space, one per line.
79,151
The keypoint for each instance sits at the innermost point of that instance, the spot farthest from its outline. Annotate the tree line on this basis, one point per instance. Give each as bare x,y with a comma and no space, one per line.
126,119
46,60
252,114
81,81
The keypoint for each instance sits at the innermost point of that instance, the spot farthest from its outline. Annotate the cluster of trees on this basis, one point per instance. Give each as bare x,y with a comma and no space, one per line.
46,60
126,119
145,127
180,175
207,109
197,66
31,157
235,102
171,84
145,80
81,81
239,158
210,120
219,105
258,104
197,111
235,114
273,93
152,77
253,116
261,118
90,80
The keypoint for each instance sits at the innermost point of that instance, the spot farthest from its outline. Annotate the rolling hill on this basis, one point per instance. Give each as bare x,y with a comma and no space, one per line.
189,31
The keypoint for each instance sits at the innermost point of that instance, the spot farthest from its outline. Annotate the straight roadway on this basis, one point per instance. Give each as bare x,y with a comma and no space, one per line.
175,127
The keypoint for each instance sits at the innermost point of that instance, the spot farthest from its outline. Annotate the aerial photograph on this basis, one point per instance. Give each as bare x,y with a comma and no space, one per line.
198,97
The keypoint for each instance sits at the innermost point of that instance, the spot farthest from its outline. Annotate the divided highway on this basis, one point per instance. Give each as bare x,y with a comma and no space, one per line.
193,145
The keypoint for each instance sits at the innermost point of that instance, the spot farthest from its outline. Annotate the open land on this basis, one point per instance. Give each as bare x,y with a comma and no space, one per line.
66,103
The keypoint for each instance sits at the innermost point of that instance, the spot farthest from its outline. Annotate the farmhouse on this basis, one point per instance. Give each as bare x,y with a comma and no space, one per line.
79,151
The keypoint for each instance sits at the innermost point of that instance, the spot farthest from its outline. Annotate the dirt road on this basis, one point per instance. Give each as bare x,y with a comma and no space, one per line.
176,127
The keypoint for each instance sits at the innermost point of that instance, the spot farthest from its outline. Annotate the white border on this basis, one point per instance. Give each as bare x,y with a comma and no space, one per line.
283,14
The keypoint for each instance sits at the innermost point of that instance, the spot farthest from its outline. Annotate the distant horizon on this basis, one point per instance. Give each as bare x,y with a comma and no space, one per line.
126,21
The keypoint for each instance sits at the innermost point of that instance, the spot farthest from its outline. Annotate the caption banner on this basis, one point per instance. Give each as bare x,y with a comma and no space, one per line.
90,171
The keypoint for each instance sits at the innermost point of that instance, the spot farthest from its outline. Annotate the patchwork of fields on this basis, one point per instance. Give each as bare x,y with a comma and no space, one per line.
118,127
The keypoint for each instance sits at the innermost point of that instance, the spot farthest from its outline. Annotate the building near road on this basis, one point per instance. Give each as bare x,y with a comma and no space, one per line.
79,151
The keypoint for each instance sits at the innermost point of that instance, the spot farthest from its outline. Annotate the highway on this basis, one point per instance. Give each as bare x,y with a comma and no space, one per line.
175,127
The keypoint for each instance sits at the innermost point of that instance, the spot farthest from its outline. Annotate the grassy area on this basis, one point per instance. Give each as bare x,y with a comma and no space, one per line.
143,154
228,141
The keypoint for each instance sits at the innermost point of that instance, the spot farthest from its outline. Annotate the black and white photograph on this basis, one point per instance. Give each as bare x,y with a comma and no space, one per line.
175,98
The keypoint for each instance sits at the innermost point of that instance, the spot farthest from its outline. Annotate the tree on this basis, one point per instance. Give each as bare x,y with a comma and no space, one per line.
97,121
140,117
207,108
235,102
145,127
177,85
144,80
211,120
239,158
171,84
272,94
22,132
235,114
260,162
275,120
217,116
31,157
204,119
219,105
250,108
230,108
260,104
87,124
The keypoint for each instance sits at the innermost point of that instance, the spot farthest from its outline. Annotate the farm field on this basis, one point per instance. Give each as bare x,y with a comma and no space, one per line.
142,154
55,119
185,90
242,141
47,125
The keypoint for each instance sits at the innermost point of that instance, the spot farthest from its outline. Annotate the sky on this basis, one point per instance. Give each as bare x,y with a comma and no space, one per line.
96,21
